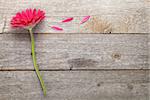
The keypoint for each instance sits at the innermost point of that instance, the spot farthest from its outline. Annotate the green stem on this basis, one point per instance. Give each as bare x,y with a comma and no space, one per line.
35,62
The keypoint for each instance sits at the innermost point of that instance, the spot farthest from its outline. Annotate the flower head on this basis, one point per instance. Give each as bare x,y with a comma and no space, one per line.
28,18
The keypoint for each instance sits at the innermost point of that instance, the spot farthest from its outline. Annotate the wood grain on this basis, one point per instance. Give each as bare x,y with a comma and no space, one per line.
147,6
76,85
83,65
75,51
122,16
149,49
1,24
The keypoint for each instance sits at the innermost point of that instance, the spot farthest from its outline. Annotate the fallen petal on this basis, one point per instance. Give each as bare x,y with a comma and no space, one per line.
56,28
67,20
85,19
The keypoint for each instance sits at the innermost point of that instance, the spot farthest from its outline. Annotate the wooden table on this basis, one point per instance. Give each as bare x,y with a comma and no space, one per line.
106,58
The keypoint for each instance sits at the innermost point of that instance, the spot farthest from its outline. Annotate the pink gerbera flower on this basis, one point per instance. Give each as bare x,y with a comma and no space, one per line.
28,18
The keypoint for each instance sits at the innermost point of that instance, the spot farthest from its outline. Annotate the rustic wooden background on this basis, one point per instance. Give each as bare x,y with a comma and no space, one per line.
106,58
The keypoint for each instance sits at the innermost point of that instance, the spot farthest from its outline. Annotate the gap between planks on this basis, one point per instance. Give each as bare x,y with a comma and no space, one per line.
82,33
76,69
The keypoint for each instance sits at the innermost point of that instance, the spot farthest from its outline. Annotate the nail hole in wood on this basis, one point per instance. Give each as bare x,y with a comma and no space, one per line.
98,85
116,56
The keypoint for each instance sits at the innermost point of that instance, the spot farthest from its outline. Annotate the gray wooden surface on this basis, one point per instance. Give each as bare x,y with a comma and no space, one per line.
115,16
76,51
76,85
85,65
76,67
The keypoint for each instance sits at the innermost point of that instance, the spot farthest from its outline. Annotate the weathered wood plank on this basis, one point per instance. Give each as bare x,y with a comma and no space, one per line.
149,50
74,85
76,51
1,23
147,3
121,16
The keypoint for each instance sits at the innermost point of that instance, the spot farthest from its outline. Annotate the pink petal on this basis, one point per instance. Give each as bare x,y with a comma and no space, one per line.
56,28
67,20
85,19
